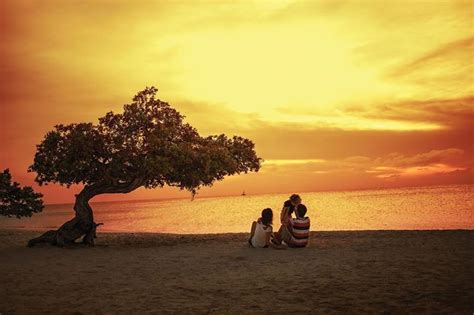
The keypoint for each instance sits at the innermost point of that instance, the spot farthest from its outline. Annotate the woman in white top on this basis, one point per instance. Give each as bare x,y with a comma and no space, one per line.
262,230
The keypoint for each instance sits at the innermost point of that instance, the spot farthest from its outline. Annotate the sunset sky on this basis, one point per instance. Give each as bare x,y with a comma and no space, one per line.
336,95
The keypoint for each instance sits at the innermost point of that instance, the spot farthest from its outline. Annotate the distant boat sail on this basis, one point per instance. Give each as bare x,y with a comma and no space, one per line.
243,193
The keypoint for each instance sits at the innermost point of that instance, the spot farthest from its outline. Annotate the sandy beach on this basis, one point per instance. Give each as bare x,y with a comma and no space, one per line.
340,272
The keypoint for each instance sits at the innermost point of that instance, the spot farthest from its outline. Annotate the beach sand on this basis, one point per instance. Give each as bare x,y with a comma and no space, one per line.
340,272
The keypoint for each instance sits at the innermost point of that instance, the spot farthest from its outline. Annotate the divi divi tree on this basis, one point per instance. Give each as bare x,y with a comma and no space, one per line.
148,145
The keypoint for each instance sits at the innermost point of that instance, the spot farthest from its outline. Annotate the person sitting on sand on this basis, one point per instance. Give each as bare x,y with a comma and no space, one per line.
294,231
262,231
289,207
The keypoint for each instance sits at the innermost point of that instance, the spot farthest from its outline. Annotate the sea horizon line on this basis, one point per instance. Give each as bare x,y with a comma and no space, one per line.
261,194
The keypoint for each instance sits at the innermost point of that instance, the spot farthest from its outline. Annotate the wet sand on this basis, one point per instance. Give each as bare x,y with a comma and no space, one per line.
340,272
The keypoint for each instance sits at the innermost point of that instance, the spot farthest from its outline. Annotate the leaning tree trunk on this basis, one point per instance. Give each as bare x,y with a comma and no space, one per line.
83,223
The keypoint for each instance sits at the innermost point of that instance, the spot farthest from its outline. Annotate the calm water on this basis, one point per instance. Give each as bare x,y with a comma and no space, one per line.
447,207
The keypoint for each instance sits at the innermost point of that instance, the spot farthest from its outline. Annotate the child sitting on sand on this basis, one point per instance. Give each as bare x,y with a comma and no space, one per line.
289,207
262,230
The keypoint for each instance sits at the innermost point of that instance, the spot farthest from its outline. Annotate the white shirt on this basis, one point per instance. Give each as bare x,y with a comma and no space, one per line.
259,238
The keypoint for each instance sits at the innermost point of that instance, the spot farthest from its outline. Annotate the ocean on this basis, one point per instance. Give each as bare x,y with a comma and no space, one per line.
417,208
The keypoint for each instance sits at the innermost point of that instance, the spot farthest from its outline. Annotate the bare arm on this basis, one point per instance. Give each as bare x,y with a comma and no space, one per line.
289,225
284,215
252,230
286,220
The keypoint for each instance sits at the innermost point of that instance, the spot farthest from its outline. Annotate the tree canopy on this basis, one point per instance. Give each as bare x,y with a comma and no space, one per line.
17,201
149,145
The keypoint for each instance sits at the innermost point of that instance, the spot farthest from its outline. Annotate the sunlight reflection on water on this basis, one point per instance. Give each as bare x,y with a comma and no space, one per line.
447,207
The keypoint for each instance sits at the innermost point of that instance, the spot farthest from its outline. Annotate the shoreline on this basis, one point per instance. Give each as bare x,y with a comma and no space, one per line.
339,272
42,230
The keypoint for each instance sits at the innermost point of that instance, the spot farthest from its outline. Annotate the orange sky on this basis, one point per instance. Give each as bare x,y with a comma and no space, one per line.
336,95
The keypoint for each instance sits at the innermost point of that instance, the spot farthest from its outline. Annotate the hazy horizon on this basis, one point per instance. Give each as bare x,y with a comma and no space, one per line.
189,195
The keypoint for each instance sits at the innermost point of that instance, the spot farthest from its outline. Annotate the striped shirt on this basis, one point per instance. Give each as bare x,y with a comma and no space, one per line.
299,230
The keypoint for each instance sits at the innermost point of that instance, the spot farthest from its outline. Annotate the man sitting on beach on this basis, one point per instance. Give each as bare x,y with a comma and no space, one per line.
294,231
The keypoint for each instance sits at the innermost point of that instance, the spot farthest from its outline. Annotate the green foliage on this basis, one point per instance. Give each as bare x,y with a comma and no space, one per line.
147,145
17,201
